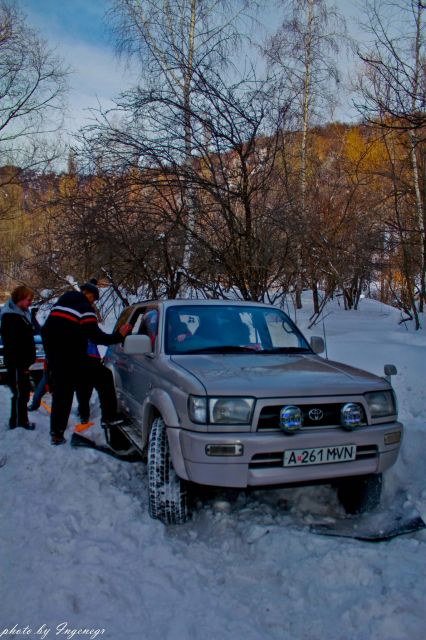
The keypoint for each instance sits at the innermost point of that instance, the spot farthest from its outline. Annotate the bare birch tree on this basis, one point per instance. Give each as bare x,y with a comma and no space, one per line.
171,42
236,131
304,52
32,87
392,89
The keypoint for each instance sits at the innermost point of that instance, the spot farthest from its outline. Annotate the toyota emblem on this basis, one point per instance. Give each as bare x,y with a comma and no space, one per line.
316,414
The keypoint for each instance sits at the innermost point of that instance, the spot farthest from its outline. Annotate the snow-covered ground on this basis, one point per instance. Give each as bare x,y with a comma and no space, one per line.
80,556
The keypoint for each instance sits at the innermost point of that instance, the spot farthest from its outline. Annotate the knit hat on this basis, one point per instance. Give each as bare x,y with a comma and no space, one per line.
91,287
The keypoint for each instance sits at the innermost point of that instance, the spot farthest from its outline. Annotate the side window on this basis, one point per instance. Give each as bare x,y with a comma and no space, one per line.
136,321
149,325
124,318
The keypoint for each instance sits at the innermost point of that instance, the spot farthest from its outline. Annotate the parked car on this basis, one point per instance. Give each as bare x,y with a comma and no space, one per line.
231,394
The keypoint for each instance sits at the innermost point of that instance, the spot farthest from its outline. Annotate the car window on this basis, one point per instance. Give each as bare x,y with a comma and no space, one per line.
148,325
195,328
136,321
124,318
144,321
281,331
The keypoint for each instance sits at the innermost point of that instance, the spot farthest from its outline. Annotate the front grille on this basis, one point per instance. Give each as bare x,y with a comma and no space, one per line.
271,460
269,419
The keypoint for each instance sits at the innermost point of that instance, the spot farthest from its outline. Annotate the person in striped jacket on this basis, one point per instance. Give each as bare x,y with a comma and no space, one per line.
71,323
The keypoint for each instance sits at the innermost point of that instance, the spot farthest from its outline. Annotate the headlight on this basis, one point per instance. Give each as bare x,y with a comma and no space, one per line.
220,410
381,403
197,408
230,410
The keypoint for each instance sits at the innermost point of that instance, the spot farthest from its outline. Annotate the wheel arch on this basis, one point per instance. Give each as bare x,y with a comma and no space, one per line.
158,403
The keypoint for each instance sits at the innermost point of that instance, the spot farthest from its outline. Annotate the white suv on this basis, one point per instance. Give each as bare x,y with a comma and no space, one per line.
231,394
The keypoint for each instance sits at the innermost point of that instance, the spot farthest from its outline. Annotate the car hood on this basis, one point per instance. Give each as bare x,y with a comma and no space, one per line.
268,375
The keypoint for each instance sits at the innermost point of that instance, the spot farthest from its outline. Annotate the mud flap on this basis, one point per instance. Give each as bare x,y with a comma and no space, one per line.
400,518
78,440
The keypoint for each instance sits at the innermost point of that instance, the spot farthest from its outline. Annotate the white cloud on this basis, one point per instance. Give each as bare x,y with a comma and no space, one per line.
96,79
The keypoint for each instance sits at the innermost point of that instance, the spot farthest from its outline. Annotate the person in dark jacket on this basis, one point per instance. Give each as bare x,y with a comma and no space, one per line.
69,326
19,352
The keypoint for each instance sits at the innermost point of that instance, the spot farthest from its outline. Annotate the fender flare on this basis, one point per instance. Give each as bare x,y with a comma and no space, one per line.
162,401
158,402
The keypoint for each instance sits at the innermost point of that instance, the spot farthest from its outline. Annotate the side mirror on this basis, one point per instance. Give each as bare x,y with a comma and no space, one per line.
317,344
135,345
390,370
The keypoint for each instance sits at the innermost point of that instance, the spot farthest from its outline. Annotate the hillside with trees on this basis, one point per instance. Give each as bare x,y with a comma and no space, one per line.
218,181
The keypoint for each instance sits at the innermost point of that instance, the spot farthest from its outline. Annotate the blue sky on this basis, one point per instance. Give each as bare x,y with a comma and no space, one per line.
69,19
77,29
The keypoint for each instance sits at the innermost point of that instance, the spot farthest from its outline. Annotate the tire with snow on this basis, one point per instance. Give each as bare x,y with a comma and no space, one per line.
167,493
360,494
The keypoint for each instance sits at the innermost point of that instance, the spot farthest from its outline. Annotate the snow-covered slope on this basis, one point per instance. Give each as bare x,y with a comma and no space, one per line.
79,552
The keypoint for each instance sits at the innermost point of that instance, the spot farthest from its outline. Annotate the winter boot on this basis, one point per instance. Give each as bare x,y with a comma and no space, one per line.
29,426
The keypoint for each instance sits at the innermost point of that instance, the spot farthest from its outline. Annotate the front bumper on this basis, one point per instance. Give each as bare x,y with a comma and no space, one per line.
262,461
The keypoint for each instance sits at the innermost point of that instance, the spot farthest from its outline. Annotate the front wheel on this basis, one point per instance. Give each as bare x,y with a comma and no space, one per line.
360,494
167,493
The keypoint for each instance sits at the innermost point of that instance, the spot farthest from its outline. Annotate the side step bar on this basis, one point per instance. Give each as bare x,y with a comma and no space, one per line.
132,434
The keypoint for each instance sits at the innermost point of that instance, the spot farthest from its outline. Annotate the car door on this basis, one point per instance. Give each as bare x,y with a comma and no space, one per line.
142,368
118,361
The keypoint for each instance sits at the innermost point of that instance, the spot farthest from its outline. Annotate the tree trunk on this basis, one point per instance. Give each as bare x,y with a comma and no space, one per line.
315,296
190,196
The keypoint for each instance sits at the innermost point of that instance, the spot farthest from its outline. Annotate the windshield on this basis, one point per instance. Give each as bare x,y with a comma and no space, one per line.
229,329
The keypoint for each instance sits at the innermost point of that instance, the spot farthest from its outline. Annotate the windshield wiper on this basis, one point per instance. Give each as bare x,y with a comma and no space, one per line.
218,349
287,350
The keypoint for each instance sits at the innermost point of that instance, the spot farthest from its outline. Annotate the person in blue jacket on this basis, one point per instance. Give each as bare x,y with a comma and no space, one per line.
71,323
40,390
98,377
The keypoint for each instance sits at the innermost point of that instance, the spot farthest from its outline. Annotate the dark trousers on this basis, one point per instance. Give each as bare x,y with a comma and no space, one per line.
66,377
20,385
98,377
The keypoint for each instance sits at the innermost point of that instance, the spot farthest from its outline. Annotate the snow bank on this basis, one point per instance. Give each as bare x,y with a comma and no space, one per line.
80,557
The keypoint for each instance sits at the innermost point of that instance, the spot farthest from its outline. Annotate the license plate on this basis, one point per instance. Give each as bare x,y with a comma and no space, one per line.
319,455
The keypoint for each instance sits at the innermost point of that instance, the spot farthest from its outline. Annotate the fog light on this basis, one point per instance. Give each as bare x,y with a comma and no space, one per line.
291,419
224,449
351,416
392,438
